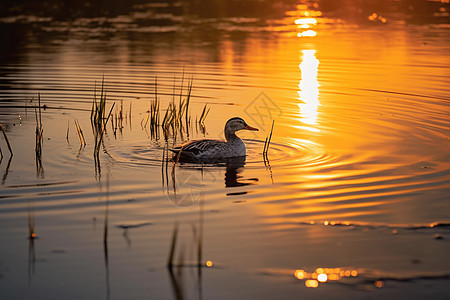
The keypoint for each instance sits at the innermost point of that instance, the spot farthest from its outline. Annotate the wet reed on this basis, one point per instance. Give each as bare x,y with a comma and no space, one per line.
204,114
39,128
67,133
267,143
39,138
176,120
6,141
79,133
117,120
99,118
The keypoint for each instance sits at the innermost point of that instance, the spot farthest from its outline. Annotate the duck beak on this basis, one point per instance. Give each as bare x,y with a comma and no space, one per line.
248,127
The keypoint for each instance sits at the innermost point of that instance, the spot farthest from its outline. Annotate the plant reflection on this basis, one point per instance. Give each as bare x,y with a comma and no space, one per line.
31,238
5,175
105,239
176,270
232,177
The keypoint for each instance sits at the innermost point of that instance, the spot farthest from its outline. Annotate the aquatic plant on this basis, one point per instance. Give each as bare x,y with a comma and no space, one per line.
267,143
204,114
39,138
176,119
79,132
39,128
99,119
6,141
67,133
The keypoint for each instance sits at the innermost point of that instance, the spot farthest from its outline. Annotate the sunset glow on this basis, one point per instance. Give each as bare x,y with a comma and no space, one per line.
309,88
250,149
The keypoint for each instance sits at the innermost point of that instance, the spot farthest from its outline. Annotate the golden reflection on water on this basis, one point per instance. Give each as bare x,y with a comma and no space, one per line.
306,21
307,33
309,90
322,275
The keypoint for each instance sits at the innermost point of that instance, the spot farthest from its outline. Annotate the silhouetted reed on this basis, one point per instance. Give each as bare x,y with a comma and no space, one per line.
5,175
79,133
39,137
267,143
176,120
99,119
67,133
6,141
204,114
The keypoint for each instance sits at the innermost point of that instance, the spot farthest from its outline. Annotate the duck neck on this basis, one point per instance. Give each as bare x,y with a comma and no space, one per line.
231,136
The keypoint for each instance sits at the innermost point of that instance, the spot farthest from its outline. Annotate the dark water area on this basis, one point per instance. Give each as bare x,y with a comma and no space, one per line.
350,201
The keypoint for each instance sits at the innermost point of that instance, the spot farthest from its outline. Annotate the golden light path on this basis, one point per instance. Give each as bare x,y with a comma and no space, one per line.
322,275
309,90
305,22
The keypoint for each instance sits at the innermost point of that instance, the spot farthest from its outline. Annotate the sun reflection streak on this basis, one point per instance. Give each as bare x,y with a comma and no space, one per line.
323,275
309,89
309,21
309,33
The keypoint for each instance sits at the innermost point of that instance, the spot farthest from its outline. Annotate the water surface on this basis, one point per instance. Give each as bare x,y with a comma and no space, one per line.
355,186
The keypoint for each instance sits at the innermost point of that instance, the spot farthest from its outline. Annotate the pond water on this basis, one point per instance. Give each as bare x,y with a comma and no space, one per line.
351,201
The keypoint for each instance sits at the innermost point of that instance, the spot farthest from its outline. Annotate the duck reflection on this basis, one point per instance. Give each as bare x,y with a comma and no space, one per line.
232,178
233,168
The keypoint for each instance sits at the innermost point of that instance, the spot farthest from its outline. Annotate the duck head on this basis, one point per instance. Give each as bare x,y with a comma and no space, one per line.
236,124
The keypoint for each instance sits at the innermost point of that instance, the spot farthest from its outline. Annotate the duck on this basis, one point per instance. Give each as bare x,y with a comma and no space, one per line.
209,149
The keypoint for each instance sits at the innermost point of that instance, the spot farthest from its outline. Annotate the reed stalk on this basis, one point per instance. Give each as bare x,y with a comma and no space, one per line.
80,133
204,114
99,119
39,129
6,141
67,134
177,118
267,142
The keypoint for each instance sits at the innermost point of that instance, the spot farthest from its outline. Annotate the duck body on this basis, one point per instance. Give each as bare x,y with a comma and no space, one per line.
208,149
